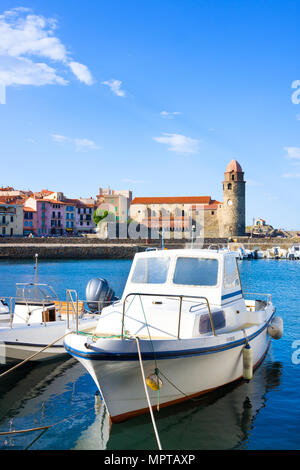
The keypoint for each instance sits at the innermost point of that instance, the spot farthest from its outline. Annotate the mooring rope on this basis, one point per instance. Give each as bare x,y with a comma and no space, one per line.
147,395
33,355
39,428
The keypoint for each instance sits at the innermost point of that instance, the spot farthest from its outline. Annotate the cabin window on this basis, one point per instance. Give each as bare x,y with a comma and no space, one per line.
151,270
196,271
231,275
218,319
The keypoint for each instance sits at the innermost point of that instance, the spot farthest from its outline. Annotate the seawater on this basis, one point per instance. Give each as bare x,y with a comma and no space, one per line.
263,414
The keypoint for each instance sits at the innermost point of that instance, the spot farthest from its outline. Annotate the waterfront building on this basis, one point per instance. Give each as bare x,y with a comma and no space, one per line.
29,218
219,219
116,202
84,216
11,219
48,216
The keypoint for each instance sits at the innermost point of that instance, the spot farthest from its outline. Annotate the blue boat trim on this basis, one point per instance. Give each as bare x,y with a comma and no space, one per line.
160,355
233,294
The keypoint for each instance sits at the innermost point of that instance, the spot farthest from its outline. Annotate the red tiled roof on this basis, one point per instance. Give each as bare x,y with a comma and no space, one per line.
172,200
11,200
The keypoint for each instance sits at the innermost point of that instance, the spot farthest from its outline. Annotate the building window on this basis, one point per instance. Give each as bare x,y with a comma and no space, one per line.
232,177
229,186
11,218
212,212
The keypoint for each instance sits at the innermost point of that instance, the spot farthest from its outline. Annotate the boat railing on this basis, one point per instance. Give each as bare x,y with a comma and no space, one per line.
267,296
73,305
173,296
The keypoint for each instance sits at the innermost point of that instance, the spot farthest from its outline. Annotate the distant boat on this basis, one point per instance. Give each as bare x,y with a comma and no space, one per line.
276,253
293,252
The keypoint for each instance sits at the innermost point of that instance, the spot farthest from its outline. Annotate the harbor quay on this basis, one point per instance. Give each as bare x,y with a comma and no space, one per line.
95,248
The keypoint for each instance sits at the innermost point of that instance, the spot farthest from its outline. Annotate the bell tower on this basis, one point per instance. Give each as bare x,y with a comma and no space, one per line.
233,210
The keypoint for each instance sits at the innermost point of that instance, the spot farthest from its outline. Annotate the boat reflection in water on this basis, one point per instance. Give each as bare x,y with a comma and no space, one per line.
221,420
47,393
42,394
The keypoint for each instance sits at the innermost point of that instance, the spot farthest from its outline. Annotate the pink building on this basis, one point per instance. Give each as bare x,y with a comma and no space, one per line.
50,216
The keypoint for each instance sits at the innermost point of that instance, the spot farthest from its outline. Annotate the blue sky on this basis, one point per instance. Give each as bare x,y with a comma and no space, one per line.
155,96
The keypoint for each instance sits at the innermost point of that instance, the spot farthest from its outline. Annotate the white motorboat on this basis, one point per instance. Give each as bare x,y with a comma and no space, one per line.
276,253
244,253
293,252
39,319
258,253
182,326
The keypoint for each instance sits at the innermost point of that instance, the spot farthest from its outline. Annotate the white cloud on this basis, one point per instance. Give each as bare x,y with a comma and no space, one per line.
178,143
23,71
82,72
27,43
59,138
168,114
291,175
85,144
80,145
115,86
293,152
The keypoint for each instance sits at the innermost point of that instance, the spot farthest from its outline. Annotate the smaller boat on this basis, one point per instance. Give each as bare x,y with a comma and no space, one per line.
37,319
276,253
293,252
258,253
244,253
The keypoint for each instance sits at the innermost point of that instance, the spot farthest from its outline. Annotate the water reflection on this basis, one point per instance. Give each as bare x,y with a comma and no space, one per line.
221,420
41,394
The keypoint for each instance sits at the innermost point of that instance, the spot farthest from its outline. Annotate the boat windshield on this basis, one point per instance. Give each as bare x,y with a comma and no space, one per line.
152,270
196,271
35,293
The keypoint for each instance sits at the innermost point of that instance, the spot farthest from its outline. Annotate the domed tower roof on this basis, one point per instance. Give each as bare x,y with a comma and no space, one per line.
234,166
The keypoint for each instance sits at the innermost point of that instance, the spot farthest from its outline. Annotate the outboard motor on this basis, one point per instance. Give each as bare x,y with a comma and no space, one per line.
98,294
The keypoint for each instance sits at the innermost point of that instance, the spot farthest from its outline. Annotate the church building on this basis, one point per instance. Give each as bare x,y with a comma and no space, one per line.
220,219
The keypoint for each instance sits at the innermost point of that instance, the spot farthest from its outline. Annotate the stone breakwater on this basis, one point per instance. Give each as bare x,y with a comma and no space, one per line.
89,248
68,251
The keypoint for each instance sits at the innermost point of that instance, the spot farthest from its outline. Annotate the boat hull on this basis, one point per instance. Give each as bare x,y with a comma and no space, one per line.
184,377
42,341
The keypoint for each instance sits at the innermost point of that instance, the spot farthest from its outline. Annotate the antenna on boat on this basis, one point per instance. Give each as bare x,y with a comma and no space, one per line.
36,262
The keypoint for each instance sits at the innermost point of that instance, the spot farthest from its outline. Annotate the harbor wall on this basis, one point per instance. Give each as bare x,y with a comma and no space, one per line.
95,248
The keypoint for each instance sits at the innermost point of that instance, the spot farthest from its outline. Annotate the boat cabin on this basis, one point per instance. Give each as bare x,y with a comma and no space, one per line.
207,273
181,293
